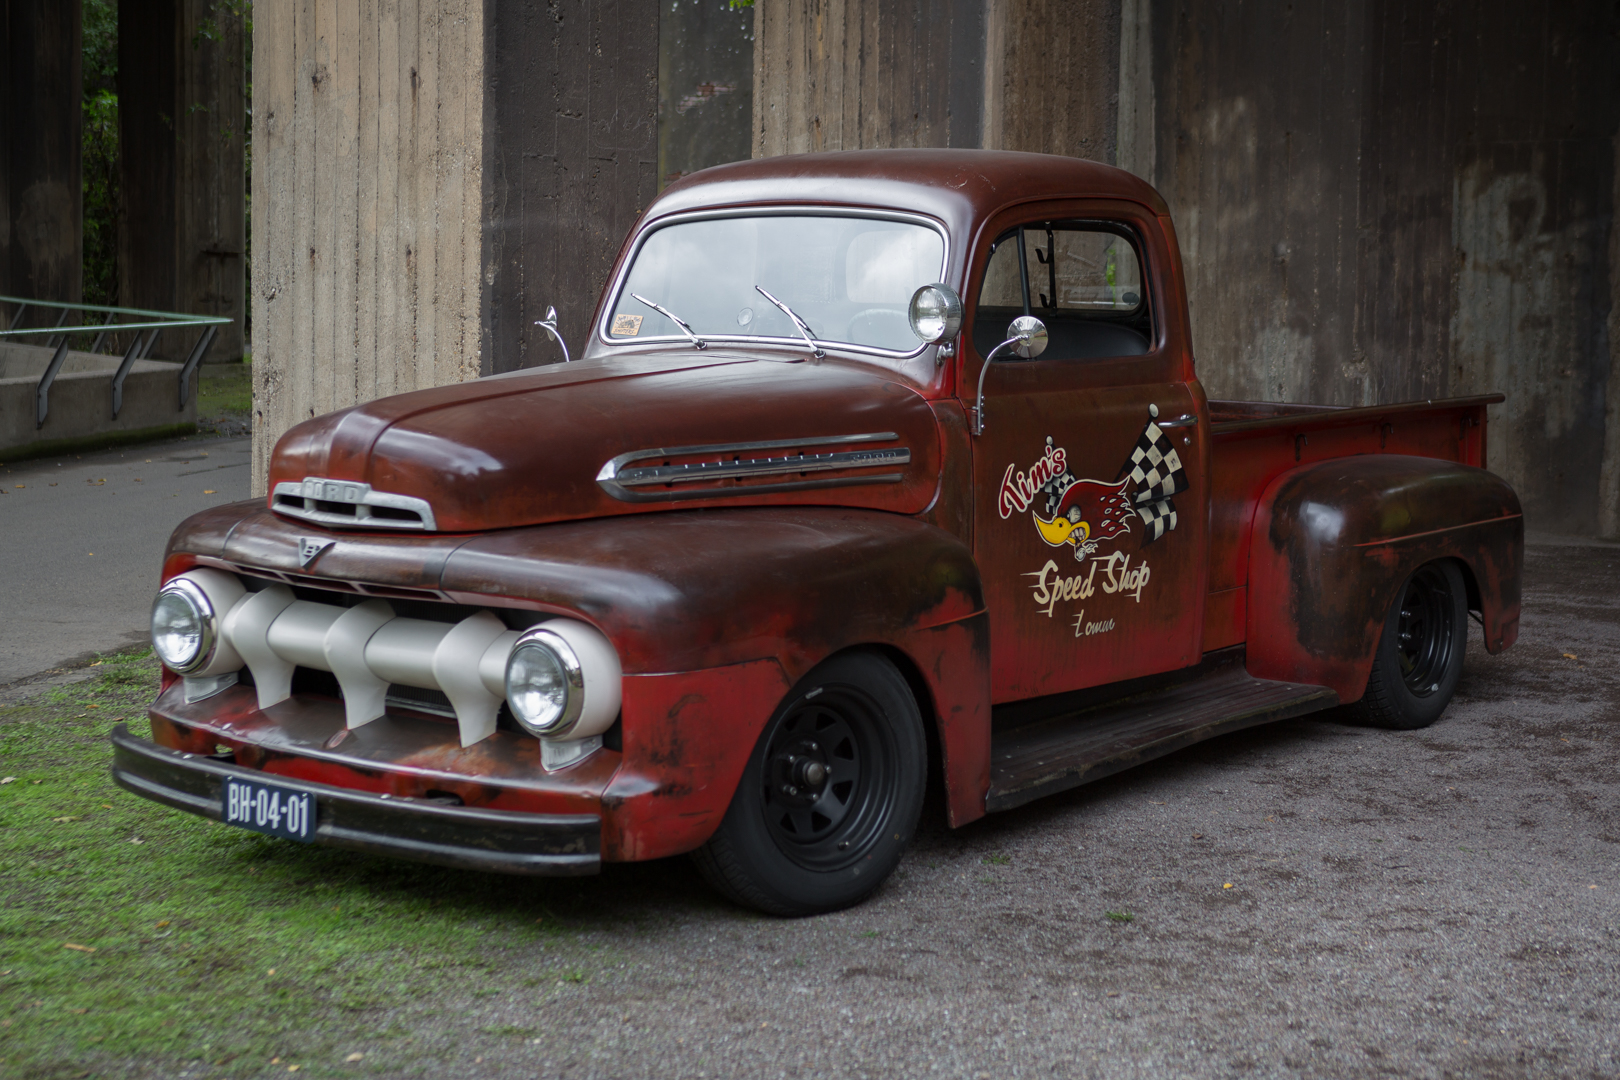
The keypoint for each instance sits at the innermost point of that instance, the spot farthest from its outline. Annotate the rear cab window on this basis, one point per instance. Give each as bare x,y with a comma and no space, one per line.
1083,279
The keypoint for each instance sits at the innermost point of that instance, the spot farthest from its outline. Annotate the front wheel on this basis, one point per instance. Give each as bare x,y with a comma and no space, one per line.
1420,655
830,797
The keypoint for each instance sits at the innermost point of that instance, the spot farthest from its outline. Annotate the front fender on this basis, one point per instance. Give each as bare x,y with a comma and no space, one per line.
718,613
1334,540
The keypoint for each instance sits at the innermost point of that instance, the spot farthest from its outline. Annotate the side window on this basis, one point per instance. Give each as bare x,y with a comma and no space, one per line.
1082,279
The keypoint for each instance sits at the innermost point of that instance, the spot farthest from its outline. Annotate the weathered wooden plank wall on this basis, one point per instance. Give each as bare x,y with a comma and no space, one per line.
572,113
368,181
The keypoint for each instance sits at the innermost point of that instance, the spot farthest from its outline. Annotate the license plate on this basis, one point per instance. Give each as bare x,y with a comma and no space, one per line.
266,808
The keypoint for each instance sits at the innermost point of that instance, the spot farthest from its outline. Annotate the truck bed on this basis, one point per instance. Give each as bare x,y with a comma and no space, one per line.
1254,442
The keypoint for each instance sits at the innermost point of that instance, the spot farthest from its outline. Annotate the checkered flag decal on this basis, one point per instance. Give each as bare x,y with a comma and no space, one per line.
1156,474
1056,488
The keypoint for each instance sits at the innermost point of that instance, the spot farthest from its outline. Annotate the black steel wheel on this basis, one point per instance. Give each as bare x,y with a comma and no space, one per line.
831,794
1420,654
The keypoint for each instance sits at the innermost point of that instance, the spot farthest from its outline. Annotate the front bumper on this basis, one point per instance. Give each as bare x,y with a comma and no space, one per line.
473,838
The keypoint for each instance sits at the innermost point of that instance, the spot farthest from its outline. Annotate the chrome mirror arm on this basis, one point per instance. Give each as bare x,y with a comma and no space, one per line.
549,325
798,323
697,342
1028,341
978,402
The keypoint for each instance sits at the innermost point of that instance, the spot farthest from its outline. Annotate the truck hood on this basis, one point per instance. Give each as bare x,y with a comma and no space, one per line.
613,436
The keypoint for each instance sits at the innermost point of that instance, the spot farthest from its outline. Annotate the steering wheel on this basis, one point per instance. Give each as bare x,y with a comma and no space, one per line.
874,313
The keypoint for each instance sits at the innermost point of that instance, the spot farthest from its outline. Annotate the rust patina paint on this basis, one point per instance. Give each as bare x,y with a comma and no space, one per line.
1300,524
1335,541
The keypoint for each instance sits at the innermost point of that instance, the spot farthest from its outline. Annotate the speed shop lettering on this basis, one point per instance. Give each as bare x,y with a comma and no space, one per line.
1119,576
1085,514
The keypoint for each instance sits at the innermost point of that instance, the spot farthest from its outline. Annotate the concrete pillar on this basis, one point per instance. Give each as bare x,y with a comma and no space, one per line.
1051,76
428,176
571,152
856,74
41,194
182,113
705,86
1609,477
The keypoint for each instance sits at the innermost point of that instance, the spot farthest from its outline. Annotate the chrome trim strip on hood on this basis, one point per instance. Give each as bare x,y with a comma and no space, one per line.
616,477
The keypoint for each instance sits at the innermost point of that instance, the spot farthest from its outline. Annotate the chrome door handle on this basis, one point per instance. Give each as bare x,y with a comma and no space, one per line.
1181,421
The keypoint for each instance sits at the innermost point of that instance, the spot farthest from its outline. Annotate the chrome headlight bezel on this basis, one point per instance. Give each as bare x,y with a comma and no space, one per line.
935,313
573,672
207,618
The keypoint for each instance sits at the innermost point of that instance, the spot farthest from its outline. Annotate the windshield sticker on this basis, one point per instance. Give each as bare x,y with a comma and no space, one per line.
1084,515
626,325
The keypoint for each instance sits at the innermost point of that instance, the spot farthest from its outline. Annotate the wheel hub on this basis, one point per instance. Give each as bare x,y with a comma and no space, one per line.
1423,632
824,766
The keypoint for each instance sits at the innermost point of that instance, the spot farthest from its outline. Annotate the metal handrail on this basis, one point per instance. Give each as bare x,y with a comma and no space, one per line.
61,335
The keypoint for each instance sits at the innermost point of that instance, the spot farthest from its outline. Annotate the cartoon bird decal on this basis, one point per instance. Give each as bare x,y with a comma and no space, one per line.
1086,512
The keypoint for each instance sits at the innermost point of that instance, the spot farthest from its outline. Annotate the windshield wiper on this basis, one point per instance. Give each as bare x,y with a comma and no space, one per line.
697,342
797,322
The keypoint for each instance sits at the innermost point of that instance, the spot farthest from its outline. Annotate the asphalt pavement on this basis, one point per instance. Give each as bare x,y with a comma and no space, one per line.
83,537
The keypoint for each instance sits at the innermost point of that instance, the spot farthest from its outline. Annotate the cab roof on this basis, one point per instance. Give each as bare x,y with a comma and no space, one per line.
959,187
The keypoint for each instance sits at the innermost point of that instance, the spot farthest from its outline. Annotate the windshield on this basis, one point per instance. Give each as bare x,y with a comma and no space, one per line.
849,278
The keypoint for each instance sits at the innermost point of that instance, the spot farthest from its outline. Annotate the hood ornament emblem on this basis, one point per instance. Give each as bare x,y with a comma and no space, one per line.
310,548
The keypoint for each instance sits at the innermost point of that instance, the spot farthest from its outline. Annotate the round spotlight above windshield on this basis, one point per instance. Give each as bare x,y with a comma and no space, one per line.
935,313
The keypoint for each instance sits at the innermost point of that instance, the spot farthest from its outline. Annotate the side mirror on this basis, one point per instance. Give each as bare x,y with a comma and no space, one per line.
549,325
1027,338
935,314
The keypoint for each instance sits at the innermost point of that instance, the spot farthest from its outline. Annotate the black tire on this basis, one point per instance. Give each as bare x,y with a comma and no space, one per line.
830,797
1420,655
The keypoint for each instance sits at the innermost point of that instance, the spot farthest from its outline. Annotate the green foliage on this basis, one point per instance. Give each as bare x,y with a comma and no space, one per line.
735,4
100,151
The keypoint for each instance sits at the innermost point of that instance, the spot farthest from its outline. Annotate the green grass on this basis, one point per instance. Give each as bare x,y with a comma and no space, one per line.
219,945
1120,916
225,389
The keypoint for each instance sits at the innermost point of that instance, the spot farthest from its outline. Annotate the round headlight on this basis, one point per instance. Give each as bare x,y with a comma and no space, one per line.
545,685
935,313
183,627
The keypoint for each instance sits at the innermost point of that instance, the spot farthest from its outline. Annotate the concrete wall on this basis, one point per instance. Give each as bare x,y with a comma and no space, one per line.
182,115
852,74
705,86
367,180
1380,201
41,199
80,400
1376,201
428,176
572,160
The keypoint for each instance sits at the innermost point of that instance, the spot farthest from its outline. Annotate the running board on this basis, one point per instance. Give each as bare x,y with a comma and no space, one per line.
1078,747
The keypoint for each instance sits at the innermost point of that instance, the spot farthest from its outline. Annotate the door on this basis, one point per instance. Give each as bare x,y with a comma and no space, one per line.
1089,507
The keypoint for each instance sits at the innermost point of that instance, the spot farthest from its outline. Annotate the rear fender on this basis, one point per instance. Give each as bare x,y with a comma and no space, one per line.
1333,541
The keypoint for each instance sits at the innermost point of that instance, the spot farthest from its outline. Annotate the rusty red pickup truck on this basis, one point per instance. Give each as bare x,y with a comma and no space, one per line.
872,471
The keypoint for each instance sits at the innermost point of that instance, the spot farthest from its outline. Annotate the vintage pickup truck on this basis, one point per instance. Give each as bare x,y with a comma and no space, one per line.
876,470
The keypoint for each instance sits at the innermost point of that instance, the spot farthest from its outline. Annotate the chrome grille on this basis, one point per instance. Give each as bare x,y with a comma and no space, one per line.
350,503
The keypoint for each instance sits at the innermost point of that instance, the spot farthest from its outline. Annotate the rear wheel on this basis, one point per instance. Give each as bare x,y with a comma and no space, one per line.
1420,655
830,797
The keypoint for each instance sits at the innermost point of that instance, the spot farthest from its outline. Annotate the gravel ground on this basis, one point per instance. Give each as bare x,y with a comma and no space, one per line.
1310,899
